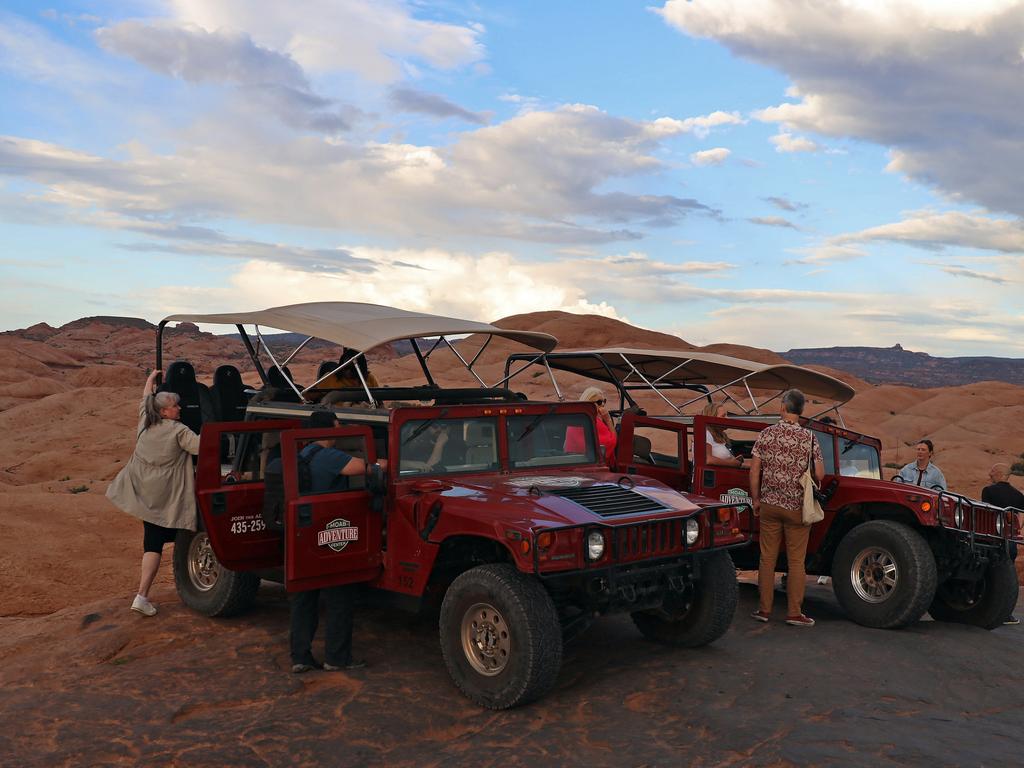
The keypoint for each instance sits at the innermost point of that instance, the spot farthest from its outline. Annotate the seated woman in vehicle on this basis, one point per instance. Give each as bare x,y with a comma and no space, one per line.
716,445
347,378
606,434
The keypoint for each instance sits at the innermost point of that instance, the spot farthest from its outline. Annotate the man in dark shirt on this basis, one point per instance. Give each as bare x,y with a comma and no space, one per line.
1001,494
329,472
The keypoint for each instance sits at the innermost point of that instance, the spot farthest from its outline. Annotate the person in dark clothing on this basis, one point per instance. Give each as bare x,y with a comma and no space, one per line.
329,472
1001,494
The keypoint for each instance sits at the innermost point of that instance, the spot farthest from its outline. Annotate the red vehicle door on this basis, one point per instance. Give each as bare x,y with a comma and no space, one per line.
717,481
229,490
332,537
654,448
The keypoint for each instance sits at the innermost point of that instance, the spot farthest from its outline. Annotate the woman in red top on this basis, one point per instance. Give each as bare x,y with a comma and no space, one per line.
606,435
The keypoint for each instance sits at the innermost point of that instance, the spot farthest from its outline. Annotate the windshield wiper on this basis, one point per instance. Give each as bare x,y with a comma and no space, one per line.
422,427
533,424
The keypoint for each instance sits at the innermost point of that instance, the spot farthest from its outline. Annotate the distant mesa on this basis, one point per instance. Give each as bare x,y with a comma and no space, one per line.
111,320
896,365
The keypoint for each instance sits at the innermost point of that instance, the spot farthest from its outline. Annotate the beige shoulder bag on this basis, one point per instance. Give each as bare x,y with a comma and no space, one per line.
812,511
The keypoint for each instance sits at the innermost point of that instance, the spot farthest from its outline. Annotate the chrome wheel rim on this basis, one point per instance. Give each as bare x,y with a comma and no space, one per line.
874,575
203,568
486,641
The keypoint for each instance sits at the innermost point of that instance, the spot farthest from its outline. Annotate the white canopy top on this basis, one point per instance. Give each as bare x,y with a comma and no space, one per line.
364,326
677,367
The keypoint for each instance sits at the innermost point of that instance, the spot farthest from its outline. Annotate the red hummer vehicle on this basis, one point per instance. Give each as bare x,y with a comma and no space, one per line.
894,551
513,524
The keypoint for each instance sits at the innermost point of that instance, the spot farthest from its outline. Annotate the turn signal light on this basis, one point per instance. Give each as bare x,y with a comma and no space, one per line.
926,506
724,514
524,546
545,540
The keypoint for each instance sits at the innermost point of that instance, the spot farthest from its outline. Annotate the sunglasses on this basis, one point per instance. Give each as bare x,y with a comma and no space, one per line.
602,401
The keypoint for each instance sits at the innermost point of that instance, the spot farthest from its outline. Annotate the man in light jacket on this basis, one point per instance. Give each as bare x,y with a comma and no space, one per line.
922,472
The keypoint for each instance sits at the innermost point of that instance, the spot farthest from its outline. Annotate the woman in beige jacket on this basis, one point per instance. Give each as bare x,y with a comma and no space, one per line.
157,485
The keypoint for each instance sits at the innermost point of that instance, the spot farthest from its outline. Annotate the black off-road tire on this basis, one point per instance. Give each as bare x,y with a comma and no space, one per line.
206,586
895,544
699,616
991,600
500,636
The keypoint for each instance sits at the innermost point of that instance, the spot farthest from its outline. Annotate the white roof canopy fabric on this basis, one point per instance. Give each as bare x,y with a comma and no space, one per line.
364,326
678,367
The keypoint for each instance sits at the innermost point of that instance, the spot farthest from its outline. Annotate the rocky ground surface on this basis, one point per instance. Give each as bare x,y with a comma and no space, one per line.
95,684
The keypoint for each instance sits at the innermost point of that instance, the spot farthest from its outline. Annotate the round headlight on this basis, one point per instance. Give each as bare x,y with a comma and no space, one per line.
692,531
958,516
999,524
595,545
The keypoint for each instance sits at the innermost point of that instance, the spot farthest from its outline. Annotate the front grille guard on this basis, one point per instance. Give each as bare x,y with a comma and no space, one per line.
971,510
614,540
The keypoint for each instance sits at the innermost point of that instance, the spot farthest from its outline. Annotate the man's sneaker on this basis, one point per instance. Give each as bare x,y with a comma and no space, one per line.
800,621
823,579
354,664
142,605
760,616
1013,621
306,666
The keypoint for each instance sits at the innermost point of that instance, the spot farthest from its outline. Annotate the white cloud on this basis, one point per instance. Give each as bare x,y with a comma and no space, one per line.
198,56
936,230
699,126
787,142
938,82
715,156
370,37
28,51
542,176
772,221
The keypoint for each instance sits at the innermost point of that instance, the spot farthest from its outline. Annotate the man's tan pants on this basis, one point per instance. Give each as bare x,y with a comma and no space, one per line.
776,521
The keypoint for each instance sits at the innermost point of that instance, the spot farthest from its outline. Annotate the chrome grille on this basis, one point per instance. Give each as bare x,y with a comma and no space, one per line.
652,539
610,500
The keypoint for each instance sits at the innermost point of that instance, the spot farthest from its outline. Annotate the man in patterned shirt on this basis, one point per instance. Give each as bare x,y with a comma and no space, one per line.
781,454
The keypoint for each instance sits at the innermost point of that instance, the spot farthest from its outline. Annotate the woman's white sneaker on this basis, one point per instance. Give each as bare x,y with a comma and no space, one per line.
142,605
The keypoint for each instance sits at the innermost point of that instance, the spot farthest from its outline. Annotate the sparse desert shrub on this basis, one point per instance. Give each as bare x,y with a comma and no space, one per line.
892,465
1017,468
78,489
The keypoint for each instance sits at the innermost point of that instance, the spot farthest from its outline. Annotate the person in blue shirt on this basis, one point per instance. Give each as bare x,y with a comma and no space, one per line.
330,469
922,472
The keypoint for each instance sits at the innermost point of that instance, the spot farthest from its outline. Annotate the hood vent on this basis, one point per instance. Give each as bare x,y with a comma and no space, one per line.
610,500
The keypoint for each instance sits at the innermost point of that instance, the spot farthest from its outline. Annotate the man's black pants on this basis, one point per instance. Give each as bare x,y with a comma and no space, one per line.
305,616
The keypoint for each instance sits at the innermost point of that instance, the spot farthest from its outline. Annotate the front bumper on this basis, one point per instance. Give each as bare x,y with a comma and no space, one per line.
983,527
643,562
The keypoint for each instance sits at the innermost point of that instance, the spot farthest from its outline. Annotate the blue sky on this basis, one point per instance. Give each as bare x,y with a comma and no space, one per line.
775,173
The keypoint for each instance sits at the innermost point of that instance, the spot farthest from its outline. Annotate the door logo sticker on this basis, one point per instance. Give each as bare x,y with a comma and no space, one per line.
735,496
338,533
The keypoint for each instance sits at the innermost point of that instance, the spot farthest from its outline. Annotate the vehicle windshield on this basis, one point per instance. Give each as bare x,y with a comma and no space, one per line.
556,439
443,446
858,460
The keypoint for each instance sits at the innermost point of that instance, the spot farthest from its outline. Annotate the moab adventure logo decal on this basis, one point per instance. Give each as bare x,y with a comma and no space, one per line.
338,533
735,496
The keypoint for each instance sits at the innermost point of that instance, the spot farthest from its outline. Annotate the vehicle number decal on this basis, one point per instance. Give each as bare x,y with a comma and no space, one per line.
241,525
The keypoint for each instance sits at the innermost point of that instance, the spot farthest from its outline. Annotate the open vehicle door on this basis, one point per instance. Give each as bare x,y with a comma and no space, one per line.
653,448
721,482
230,487
333,537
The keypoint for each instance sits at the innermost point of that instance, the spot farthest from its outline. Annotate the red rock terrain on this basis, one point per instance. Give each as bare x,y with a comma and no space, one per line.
85,682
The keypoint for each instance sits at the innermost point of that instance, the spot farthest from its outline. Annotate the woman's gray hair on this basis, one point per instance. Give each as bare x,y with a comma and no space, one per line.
156,403
793,401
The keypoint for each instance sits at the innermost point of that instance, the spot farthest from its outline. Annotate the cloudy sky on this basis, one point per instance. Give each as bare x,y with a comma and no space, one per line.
780,173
